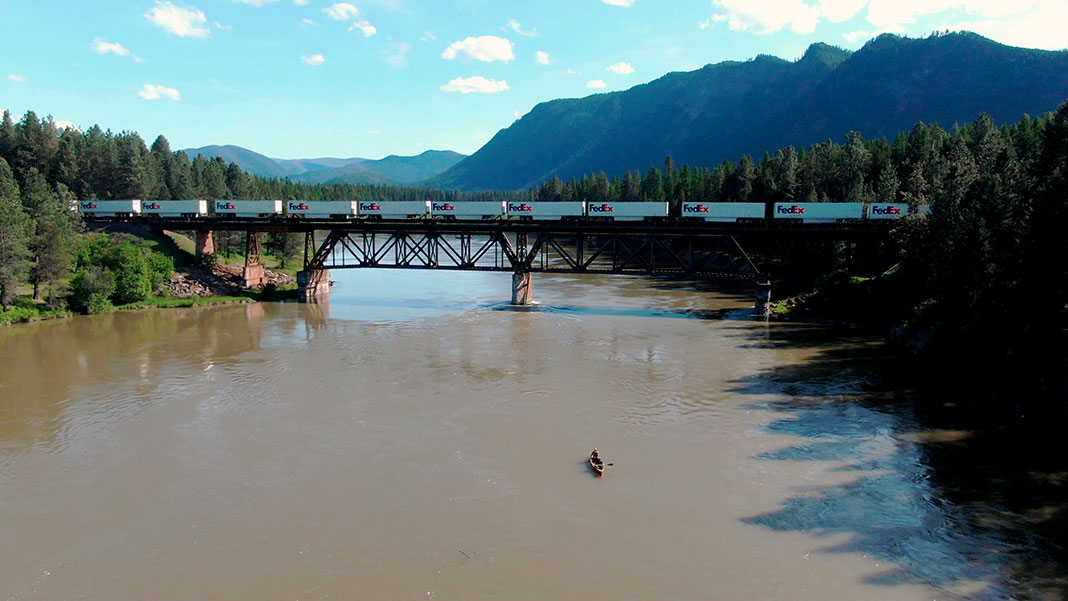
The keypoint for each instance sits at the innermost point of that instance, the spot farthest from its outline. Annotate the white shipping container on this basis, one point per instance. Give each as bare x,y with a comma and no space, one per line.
174,208
109,207
723,211
397,209
467,210
882,210
819,212
546,210
627,211
248,208
321,208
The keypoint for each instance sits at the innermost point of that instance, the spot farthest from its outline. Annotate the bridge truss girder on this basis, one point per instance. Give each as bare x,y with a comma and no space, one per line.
646,253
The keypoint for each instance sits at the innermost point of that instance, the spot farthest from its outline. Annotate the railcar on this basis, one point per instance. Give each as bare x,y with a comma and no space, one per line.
113,208
882,210
174,208
627,211
467,210
545,210
321,209
248,208
724,212
389,209
818,212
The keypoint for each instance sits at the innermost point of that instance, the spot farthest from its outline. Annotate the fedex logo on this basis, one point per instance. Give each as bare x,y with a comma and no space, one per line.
794,210
887,210
225,206
442,206
298,206
520,208
88,205
370,206
602,208
153,205
695,208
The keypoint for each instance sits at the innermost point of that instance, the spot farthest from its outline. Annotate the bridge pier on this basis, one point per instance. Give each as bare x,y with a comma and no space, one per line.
763,298
522,292
205,243
313,285
252,276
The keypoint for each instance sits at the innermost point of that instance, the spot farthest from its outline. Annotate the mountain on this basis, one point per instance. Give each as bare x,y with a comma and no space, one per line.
390,170
728,109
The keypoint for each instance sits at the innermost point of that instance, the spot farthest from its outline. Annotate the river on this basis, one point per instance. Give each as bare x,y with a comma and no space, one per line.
416,438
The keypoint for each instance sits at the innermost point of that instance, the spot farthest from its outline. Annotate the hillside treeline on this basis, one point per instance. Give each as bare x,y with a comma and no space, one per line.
981,283
98,164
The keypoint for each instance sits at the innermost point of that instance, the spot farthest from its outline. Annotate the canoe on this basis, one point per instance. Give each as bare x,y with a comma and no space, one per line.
597,465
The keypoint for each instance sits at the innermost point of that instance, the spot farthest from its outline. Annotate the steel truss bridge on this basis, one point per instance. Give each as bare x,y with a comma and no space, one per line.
673,248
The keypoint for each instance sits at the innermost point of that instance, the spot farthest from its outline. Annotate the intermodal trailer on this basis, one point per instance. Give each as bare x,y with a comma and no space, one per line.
174,208
321,209
116,208
546,210
819,212
724,212
627,211
467,210
882,210
392,209
248,208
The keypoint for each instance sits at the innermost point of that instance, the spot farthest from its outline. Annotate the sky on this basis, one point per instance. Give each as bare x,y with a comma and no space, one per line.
370,78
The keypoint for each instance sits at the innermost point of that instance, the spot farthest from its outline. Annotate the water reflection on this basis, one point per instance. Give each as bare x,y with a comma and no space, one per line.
933,501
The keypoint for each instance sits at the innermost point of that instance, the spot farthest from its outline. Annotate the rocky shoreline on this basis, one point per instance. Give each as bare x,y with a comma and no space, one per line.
221,280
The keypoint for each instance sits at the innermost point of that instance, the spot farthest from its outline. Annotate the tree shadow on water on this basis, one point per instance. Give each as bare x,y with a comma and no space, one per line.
947,502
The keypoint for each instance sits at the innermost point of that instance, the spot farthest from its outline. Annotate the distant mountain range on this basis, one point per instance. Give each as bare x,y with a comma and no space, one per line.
390,170
728,109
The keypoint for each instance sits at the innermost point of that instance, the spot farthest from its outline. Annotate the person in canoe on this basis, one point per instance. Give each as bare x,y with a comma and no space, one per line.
596,462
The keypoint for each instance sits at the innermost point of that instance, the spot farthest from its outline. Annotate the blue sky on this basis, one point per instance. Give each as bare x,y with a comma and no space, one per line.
369,78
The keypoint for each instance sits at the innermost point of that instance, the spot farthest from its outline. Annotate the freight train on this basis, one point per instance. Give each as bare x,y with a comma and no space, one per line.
718,212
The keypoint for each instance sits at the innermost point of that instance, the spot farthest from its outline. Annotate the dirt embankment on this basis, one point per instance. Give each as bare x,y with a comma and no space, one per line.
222,280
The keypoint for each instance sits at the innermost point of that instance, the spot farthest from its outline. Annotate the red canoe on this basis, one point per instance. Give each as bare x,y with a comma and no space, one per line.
597,464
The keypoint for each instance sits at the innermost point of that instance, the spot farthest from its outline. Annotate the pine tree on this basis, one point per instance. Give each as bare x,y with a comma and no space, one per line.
15,231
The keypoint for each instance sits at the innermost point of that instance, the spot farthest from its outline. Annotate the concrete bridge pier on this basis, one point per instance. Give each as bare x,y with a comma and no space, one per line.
763,298
522,292
313,285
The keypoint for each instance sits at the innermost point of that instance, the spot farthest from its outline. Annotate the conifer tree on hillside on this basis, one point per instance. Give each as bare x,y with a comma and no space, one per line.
15,231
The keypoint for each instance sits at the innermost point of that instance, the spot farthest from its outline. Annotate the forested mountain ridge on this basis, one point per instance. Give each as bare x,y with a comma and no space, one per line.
389,170
729,109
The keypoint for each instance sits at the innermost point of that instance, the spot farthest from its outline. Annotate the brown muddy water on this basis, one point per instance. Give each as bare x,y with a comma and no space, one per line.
415,438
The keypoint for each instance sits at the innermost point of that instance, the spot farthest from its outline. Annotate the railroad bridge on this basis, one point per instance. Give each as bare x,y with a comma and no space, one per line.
691,249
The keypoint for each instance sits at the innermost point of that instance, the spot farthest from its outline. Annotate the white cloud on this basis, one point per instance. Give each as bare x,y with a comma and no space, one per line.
341,11
153,92
487,48
102,47
855,36
309,22
476,84
596,84
542,58
314,60
18,78
621,68
571,71
257,2
767,16
516,114
300,2
514,26
62,125
882,13
428,36
397,54
365,28
375,132
837,11
182,21
1040,29
219,25
620,2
